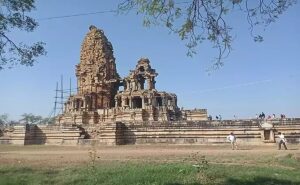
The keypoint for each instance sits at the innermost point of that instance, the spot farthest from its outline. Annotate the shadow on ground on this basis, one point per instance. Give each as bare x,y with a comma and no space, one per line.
260,181
255,181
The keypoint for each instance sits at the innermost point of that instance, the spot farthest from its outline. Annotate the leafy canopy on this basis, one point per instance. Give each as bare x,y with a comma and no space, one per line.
31,118
196,21
13,16
3,119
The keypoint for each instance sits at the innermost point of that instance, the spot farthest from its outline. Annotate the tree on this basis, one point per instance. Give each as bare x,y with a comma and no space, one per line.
31,119
13,16
3,119
205,20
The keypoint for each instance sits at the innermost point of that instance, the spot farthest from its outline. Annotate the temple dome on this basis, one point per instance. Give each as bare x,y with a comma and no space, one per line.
96,48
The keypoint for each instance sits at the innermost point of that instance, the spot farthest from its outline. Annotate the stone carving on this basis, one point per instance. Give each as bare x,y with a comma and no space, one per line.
96,74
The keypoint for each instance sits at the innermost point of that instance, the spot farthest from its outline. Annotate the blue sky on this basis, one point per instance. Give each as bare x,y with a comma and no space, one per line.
256,77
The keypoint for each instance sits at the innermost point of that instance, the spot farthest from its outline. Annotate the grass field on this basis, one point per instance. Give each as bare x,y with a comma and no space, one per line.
151,165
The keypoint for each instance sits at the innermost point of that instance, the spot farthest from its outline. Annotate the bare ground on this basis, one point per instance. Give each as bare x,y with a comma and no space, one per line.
65,156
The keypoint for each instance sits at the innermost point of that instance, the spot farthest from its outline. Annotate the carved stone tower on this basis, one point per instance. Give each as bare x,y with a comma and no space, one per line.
98,99
97,77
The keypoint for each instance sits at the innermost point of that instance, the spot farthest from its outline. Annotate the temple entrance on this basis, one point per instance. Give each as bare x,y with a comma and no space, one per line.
137,102
159,101
78,105
119,102
267,134
141,82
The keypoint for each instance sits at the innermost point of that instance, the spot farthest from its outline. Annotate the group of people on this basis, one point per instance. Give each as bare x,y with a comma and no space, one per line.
282,116
232,139
273,116
261,116
218,117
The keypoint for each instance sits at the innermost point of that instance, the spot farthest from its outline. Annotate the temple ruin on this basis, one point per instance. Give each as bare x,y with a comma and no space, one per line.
98,99
110,110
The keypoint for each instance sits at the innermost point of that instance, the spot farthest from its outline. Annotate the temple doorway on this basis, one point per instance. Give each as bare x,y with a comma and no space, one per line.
137,102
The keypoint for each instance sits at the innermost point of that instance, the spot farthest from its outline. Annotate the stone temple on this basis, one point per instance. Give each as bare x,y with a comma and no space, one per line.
110,110
99,99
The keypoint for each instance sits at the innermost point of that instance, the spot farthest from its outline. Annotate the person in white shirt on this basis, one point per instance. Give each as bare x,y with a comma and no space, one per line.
232,140
282,140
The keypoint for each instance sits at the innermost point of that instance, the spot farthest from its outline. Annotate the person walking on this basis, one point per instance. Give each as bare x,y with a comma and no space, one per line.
282,140
231,137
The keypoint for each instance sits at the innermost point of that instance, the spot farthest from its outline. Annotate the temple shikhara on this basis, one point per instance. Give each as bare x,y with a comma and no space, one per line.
108,109
100,100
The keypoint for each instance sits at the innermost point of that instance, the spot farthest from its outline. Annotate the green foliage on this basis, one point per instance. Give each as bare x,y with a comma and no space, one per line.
290,160
199,20
27,118
112,174
3,119
131,173
200,163
30,118
13,16
92,170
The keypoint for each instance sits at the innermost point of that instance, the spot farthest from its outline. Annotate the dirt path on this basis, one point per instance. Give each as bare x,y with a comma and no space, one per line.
63,156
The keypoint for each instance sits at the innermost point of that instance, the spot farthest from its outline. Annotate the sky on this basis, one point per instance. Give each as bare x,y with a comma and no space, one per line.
256,77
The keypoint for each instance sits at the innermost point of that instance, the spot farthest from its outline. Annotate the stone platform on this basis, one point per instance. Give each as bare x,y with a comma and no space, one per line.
41,134
248,132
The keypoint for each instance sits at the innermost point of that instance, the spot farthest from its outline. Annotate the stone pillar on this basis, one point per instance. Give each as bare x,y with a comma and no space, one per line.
153,101
163,101
139,85
123,102
84,104
151,116
78,85
79,104
116,102
94,102
128,85
148,83
130,102
134,85
272,135
72,105
143,102
87,104
169,102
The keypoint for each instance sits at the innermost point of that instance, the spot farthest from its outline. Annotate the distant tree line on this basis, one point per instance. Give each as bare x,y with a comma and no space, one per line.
26,118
